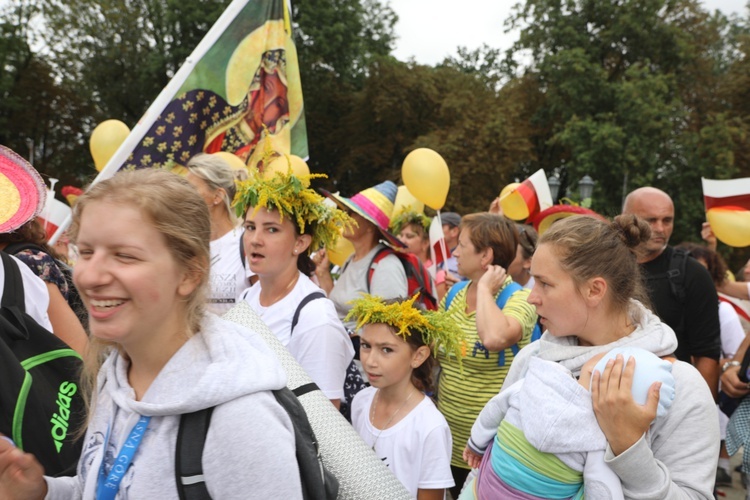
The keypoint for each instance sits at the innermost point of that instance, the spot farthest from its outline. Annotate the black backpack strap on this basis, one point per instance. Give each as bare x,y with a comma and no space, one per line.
15,248
303,303
242,250
188,463
317,481
13,292
676,273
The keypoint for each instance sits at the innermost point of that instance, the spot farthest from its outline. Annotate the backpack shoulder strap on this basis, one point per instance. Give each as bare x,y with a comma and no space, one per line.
317,481
379,255
13,292
509,290
242,251
303,303
502,299
14,248
676,273
191,440
457,287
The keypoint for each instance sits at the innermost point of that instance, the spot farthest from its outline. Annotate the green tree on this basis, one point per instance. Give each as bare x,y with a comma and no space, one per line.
627,93
479,131
41,117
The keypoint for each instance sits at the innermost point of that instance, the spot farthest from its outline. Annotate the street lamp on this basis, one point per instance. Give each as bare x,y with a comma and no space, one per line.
554,186
586,189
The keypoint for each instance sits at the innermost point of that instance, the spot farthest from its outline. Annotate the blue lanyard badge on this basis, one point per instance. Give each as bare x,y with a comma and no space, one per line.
107,486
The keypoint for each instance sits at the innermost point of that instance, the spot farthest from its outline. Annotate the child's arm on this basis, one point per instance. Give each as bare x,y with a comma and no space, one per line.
430,494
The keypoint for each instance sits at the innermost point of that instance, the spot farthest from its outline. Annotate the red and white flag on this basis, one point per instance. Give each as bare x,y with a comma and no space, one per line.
54,215
524,200
728,209
439,252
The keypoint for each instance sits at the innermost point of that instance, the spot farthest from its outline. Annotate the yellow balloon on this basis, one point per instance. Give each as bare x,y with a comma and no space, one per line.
405,201
283,163
339,253
513,205
730,226
426,175
105,140
233,160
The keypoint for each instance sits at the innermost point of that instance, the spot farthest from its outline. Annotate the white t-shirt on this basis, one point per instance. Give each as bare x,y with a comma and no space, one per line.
417,448
388,281
732,333
228,277
319,342
35,291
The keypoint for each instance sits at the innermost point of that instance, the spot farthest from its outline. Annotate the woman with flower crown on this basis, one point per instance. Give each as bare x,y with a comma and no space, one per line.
284,223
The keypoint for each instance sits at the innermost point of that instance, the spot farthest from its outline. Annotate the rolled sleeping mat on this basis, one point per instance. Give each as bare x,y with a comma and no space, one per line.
361,474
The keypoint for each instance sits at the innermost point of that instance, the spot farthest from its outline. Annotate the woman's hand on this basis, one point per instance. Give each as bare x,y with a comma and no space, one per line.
495,207
708,236
472,458
492,279
732,385
21,475
323,270
622,420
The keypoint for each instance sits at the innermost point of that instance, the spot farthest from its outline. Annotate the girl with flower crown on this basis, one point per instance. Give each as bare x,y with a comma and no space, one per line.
394,416
284,223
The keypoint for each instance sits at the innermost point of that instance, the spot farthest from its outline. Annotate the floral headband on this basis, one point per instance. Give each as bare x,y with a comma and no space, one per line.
437,329
286,193
406,218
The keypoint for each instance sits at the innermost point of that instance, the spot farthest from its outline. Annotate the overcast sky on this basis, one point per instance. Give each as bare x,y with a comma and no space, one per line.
430,30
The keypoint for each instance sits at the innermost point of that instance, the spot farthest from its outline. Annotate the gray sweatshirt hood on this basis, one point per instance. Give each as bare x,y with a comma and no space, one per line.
650,334
221,363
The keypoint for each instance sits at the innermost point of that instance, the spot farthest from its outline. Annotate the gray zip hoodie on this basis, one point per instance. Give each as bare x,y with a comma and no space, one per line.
676,458
249,450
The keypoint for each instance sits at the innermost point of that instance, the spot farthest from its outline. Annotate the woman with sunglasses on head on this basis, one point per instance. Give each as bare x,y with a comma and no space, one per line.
284,223
496,320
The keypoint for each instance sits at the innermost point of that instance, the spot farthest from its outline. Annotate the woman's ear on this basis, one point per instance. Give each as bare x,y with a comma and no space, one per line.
191,278
420,356
219,195
487,257
302,243
596,290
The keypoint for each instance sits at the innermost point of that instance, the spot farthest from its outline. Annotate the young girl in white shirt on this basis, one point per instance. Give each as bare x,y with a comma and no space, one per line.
394,416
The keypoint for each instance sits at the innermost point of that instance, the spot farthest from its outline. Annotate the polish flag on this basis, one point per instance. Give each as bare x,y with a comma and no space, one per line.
728,209
438,250
528,198
54,215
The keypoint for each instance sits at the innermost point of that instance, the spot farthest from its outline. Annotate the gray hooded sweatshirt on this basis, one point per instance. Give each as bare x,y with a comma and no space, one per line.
676,458
249,451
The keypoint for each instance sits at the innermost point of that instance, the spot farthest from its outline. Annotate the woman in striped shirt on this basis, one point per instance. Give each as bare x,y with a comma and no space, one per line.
494,333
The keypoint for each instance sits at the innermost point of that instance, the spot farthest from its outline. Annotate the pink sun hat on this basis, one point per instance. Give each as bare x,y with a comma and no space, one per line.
375,204
22,191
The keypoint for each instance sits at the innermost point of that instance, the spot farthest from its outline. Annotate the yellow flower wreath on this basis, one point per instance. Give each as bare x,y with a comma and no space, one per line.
286,193
437,329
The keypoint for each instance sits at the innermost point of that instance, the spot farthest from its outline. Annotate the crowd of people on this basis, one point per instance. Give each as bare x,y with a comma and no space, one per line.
619,398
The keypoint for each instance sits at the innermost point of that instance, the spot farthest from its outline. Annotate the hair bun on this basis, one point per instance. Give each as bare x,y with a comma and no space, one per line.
632,229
